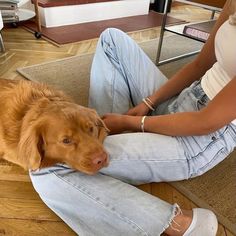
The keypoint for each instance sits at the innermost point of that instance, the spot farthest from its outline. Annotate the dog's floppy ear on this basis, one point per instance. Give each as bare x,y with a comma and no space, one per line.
103,131
30,151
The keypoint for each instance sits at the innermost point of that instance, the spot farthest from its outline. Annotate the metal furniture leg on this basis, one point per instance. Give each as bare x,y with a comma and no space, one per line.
37,19
213,14
2,48
163,25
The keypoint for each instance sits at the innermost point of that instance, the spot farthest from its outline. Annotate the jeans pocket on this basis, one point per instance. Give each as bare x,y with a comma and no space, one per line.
183,102
202,102
190,99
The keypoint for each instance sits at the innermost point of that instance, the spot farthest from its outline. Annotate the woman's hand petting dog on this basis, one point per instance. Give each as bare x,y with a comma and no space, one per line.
114,122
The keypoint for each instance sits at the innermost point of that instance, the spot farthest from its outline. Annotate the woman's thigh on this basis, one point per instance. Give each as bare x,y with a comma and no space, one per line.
203,152
145,157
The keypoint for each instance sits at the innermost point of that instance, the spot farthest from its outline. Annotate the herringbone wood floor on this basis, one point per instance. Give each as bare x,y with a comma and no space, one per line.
22,213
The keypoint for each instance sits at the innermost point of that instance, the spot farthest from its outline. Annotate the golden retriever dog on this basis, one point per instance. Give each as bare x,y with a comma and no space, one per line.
40,127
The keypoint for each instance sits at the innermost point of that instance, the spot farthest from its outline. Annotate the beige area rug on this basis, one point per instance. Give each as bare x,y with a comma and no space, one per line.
217,188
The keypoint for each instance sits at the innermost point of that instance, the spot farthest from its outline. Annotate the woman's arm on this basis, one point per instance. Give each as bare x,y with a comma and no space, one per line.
195,70
189,73
219,112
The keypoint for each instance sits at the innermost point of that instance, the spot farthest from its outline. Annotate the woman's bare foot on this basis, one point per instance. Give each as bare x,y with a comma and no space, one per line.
180,223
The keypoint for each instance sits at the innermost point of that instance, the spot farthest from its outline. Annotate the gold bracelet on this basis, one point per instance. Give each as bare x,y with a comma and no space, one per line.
142,123
148,105
150,101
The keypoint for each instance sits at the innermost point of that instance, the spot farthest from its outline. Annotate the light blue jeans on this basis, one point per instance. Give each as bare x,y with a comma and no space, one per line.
107,204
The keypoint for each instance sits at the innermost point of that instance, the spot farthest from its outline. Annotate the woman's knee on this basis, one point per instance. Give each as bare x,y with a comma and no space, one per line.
113,36
112,32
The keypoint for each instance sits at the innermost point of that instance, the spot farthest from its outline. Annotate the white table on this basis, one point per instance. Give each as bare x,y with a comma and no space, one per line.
25,14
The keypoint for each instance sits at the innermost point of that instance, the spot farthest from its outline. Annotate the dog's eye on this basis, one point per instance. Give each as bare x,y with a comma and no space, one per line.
91,129
67,141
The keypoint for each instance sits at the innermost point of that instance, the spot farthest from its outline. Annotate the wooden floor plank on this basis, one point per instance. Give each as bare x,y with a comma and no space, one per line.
26,210
15,227
17,190
146,187
13,173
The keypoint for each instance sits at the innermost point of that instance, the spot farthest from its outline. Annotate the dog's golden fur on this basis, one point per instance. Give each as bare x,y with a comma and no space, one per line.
40,126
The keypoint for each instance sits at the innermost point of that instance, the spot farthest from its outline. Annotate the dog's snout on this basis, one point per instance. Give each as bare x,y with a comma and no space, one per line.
100,159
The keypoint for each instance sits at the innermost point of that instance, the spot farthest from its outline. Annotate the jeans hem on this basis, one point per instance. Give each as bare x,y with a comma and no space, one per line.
175,212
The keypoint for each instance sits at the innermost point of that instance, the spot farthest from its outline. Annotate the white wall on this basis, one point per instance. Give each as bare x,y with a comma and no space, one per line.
75,14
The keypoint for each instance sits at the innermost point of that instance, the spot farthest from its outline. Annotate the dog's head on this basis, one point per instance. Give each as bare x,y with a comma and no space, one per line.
63,132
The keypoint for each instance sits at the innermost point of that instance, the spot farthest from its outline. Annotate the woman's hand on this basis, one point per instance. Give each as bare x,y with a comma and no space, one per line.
140,110
114,122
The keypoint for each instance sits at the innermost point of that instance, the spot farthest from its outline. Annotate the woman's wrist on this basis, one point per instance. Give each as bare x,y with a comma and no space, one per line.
125,122
156,98
151,102
142,123
134,123
150,105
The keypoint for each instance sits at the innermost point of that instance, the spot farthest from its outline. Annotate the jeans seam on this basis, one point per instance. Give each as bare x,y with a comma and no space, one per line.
186,154
211,144
117,59
221,150
135,87
215,156
182,160
125,219
113,88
